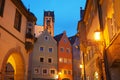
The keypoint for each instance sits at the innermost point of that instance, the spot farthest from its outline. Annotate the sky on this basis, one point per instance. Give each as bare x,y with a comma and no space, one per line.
67,13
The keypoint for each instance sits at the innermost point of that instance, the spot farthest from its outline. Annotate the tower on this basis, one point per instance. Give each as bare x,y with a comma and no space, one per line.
49,22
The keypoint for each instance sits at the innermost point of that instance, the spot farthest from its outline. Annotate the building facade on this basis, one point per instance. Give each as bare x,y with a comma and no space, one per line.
64,57
14,19
38,30
110,21
102,58
44,58
74,40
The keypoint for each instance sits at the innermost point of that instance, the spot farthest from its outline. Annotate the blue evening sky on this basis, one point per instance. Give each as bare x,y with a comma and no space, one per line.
67,13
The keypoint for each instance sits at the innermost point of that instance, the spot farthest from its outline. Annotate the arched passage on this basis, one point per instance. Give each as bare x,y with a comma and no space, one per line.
15,59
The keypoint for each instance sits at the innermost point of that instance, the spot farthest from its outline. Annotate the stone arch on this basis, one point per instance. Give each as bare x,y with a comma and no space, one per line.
15,58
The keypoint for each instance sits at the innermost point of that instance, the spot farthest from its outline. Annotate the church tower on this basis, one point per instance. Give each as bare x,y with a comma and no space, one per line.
49,21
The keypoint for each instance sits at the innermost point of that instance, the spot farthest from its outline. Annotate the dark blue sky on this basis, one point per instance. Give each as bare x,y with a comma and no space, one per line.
67,13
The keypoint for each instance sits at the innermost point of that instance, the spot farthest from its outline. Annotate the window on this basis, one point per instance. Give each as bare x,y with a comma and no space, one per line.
2,3
36,70
65,60
65,71
44,71
17,22
69,72
41,48
61,49
65,40
60,59
50,49
49,60
41,59
46,38
68,50
52,71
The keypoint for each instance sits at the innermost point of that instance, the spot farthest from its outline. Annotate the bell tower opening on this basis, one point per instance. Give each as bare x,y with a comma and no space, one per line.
49,22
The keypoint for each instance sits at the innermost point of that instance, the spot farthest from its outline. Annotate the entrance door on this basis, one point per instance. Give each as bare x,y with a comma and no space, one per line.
9,72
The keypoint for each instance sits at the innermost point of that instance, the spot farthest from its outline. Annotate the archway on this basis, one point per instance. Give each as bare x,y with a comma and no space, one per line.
15,60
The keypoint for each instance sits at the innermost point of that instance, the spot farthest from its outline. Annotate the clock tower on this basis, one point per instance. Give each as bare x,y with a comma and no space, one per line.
49,22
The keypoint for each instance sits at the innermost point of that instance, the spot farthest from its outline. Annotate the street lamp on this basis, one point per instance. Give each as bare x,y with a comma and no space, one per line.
98,35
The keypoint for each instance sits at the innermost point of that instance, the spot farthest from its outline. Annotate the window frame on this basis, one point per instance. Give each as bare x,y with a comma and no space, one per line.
18,20
62,49
42,59
47,38
35,70
2,5
50,50
43,71
51,60
51,72
40,48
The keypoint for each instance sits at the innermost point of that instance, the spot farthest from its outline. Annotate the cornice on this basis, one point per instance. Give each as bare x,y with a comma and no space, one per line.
22,8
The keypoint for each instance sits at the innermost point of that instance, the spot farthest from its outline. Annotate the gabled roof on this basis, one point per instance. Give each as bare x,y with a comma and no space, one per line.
72,39
58,37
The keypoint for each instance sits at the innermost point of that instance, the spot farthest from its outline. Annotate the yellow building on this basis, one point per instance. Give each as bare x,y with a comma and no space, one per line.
111,30
101,58
16,34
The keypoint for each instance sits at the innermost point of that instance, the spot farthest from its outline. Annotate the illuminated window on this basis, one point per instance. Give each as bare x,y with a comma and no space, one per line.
17,22
60,59
65,60
36,70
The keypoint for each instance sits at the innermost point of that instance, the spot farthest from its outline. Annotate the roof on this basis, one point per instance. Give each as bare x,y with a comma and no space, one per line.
19,4
58,37
72,39
50,14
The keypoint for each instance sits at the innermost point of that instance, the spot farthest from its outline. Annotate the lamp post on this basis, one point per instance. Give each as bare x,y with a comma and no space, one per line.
99,36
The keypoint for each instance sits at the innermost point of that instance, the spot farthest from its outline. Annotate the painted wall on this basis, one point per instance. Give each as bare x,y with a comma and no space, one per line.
64,58
37,54
12,48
